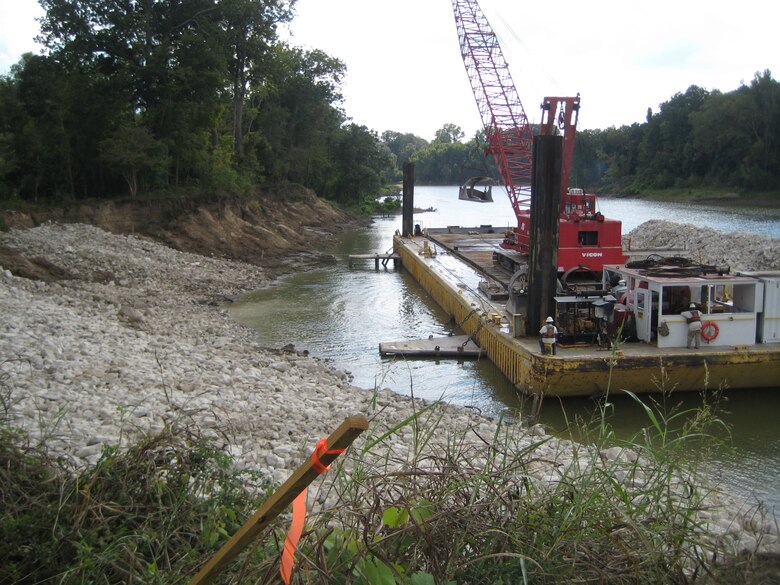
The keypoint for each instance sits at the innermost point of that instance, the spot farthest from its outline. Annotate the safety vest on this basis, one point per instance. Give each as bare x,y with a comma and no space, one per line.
695,316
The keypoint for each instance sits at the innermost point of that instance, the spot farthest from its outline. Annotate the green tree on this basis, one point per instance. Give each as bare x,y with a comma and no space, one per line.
403,145
665,155
250,28
449,134
47,143
11,121
762,121
297,118
738,135
442,163
358,161
133,150
164,61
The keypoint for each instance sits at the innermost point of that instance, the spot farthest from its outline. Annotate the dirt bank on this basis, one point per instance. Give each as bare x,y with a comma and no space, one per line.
281,231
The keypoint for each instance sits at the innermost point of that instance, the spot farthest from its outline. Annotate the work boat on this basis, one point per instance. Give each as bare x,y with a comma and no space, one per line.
629,335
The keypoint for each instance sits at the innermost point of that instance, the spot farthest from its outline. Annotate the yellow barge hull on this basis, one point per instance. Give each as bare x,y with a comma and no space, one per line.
577,370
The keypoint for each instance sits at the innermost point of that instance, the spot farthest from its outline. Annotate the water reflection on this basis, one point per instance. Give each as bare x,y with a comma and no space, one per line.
747,445
634,212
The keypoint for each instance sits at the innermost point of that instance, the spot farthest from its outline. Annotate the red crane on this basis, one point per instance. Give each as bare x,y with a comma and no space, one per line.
587,240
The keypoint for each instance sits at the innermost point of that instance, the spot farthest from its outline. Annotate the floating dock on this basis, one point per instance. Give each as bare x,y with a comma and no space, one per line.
454,346
451,275
384,259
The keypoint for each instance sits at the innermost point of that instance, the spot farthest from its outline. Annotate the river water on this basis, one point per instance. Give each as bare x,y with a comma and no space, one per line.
342,314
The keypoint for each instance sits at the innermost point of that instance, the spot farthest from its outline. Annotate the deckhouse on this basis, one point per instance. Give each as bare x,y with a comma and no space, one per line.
737,309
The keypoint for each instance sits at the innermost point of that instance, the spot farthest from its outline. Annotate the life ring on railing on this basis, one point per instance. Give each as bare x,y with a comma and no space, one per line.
709,330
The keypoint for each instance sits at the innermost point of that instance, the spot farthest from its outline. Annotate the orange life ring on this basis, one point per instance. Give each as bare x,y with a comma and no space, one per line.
709,330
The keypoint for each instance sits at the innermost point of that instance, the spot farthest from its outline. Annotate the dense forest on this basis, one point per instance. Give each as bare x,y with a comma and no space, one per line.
201,97
696,139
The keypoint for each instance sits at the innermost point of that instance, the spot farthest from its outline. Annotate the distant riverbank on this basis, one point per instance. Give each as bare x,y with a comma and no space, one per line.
721,197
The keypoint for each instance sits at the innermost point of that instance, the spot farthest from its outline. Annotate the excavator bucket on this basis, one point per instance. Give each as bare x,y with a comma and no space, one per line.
477,189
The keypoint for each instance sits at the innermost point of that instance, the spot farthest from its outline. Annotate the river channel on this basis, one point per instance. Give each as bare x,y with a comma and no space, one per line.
342,314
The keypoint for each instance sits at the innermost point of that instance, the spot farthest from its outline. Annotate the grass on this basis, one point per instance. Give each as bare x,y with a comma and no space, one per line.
486,513
449,506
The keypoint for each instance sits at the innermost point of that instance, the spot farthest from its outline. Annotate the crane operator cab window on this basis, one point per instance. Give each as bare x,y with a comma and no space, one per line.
588,238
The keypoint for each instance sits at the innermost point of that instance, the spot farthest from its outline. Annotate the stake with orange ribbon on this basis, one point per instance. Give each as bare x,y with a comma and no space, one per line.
293,490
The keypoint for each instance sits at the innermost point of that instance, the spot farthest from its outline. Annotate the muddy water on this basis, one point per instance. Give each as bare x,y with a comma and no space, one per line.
342,314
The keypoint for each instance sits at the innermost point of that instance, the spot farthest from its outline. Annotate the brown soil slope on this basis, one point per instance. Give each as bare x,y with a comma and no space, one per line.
281,232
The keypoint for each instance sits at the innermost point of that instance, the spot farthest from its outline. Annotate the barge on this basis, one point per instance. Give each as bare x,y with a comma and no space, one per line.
630,336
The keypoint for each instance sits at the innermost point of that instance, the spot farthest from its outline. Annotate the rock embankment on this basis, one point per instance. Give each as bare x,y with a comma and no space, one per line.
132,336
740,251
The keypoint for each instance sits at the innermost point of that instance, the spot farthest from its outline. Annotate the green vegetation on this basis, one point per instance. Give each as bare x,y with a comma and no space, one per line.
508,508
136,97
201,96
696,140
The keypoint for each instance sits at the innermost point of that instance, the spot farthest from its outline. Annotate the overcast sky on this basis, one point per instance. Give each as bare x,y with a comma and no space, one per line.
404,70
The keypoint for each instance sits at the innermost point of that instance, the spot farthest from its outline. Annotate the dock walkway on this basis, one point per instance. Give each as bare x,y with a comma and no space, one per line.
475,246
377,258
457,346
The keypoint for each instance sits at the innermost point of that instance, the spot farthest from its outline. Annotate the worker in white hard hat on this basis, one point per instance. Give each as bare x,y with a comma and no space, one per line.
548,333
693,318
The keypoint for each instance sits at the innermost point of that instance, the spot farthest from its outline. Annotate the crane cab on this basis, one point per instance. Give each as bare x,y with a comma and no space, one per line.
578,204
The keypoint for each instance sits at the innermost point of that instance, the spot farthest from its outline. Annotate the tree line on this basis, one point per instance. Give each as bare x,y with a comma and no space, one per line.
201,96
189,95
696,139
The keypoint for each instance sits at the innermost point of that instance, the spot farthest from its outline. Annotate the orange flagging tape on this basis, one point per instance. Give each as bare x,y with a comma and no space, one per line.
299,512
293,536
320,450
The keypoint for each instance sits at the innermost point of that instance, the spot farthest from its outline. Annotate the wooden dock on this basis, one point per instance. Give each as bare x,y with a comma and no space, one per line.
377,258
456,346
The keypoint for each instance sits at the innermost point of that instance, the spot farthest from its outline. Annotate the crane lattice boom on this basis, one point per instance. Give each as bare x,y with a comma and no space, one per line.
509,135
587,240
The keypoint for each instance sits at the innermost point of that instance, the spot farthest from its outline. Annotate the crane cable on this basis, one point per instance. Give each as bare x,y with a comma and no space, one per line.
528,51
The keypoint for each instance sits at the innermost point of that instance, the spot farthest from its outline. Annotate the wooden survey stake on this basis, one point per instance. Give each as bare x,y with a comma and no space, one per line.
341,438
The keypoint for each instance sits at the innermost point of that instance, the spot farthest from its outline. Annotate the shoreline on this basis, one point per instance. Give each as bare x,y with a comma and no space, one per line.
719,200
137,337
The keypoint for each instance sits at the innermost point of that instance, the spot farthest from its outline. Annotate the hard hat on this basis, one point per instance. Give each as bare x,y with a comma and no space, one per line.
549,320
692,306
621,281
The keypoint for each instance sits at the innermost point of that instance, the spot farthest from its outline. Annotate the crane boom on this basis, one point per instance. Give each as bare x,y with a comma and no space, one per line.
587,240
508,133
